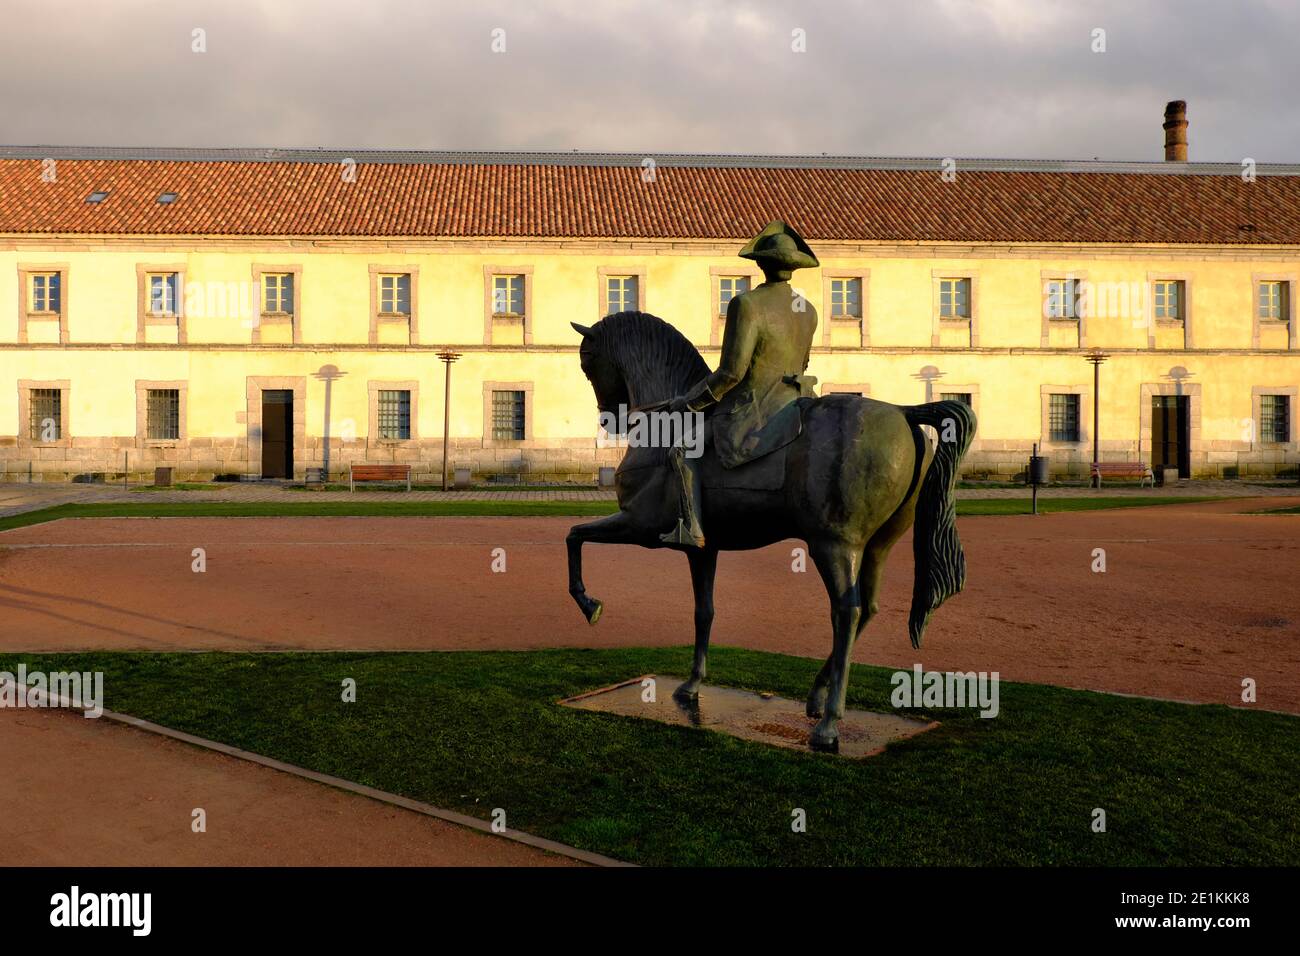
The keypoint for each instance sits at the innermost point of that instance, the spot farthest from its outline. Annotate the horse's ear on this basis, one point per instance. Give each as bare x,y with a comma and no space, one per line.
583,330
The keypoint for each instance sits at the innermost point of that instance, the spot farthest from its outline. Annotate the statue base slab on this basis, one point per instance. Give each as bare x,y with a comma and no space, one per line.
765,718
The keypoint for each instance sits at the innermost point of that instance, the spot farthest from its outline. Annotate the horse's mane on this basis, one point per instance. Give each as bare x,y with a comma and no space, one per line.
657,361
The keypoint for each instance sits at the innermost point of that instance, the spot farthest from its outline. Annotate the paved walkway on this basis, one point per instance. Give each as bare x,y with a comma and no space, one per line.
78,792
18,497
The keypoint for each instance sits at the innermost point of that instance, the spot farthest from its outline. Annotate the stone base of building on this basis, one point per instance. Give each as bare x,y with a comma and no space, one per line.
561,461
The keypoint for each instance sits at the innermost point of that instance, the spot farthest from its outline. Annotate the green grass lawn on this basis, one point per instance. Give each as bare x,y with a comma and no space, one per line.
487,507
468,731
1280,511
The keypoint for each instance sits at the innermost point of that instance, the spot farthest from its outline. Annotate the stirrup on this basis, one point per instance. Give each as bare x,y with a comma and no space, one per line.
681,534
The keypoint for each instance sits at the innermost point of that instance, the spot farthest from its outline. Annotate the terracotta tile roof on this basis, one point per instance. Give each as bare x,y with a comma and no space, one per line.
604,196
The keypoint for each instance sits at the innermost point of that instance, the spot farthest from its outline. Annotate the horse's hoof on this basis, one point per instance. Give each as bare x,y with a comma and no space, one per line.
593,611
813,711
825,739
816,707
687,692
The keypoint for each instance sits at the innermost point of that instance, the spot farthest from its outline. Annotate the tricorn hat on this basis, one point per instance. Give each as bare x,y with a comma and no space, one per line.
780,245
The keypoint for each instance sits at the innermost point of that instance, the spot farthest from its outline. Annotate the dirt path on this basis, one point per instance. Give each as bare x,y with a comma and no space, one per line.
1194,597
80,792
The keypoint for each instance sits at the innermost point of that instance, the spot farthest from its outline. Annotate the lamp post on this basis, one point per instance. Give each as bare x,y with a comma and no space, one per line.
1095,358
447,356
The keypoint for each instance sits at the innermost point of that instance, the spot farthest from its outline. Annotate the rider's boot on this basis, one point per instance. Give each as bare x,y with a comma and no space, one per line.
687,532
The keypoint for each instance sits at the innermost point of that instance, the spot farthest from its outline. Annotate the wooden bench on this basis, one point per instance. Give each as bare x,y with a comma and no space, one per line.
1123,469
378,473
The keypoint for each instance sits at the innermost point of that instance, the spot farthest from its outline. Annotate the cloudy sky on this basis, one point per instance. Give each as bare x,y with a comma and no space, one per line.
1007,78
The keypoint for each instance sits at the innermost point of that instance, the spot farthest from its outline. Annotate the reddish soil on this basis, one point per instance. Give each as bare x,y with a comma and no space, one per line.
1194,597
81,792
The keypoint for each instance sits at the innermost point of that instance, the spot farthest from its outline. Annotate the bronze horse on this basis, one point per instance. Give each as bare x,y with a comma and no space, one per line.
860,472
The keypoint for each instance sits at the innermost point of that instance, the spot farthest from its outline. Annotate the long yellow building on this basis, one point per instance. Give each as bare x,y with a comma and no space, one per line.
239,313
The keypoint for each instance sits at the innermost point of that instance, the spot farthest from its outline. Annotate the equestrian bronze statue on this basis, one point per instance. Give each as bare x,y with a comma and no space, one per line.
847,475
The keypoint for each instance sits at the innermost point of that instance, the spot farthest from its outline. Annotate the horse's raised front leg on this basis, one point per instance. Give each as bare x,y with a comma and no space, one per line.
704,566
820,688
614,529
838,563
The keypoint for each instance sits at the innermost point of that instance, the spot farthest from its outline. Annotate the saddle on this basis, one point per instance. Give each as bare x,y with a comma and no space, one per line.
766,470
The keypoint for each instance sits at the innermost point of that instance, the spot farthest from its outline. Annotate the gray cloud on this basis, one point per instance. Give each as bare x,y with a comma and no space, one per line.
927,77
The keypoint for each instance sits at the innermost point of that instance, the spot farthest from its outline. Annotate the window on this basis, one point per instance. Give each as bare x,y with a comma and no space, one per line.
1168,297
508,415
728,288
46,414
395,414
1063,418
163,414
47,292
166,199
1062,299
621,294
846,298
277,293
963,397
97,197
1274,418
395,294
954,298
1272,301
162,293
508,295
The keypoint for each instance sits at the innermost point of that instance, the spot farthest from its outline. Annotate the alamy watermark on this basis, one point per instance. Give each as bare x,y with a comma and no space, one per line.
635,428
36,689
951,689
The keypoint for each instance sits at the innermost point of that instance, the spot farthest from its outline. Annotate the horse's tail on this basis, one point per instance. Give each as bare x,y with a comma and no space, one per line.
940,563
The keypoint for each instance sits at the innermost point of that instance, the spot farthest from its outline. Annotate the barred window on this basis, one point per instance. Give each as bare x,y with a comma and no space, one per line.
621,294
1062,299
1169,299
395,294
963,397
162,293
163,414
954,298
1272,301
846,298
1063,417
47,414
728,288
508,295
508,415
395,414
277,292
1275,418
47,292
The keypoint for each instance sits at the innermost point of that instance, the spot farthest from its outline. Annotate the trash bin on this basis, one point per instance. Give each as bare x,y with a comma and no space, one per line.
162,477
461,478
605,477
1038,473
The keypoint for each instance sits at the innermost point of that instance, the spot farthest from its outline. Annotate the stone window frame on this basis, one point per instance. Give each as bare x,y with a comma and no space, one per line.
1045,441
142,389
254,385
1147,391
25,315
412,319
1080,276
1292,281
277,318
529,440
718,322
144,317
864,329
605,273
373,388
937,323
832,388
25,386
1256,395
489,273
1186,279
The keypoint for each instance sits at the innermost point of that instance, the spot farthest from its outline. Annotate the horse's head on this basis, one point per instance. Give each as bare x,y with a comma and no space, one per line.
602,371
633,359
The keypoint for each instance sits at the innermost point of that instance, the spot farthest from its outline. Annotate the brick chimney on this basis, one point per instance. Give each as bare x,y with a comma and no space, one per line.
1176,131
